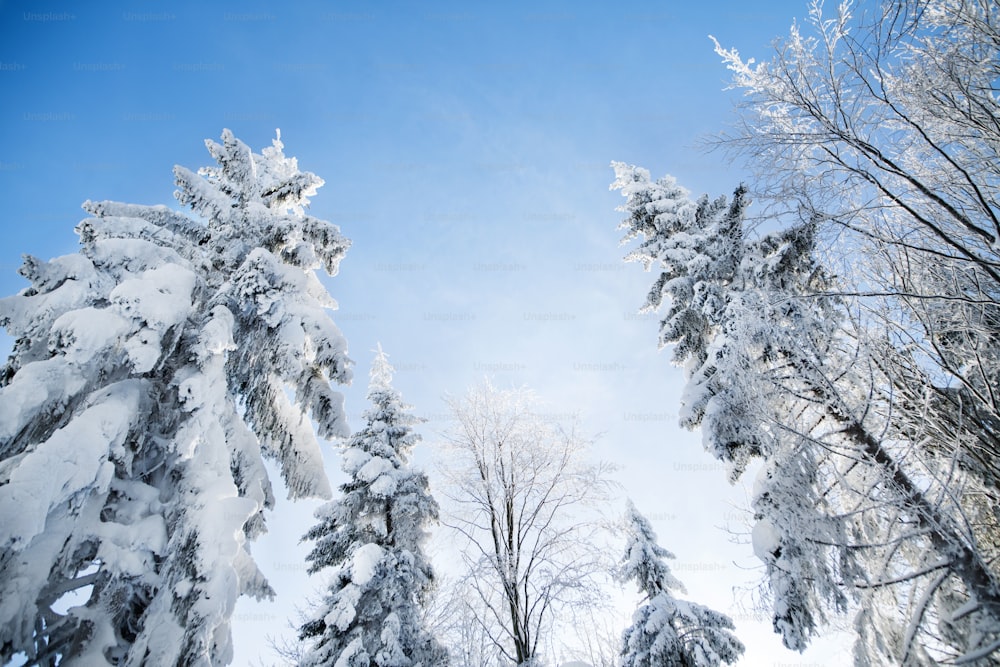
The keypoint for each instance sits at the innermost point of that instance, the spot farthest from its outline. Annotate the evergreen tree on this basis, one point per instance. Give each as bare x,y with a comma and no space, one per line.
665,630
149,378
372,537
848,511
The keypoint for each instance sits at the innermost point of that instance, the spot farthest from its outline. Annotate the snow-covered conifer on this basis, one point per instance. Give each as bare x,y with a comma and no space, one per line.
779,370
665,630
698,247
151,374
372,540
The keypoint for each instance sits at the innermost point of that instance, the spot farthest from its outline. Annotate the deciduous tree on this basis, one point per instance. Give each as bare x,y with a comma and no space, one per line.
523,495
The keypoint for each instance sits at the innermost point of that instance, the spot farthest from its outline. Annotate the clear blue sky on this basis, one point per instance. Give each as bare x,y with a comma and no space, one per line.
465,150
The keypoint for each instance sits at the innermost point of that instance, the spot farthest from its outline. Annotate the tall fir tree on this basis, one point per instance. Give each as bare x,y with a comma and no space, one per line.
665,630
848,513
150,376
372,538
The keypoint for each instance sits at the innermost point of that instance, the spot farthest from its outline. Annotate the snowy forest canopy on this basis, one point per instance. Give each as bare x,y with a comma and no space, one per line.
837,319
853,352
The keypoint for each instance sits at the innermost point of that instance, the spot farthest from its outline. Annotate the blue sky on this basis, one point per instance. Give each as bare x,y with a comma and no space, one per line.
466,153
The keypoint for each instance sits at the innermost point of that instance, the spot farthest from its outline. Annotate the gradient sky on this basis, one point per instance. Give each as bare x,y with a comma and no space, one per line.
466,153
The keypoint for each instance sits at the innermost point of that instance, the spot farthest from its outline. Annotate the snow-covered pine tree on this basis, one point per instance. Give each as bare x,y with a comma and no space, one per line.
847,510
730,312
665,630
372,538
151,374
